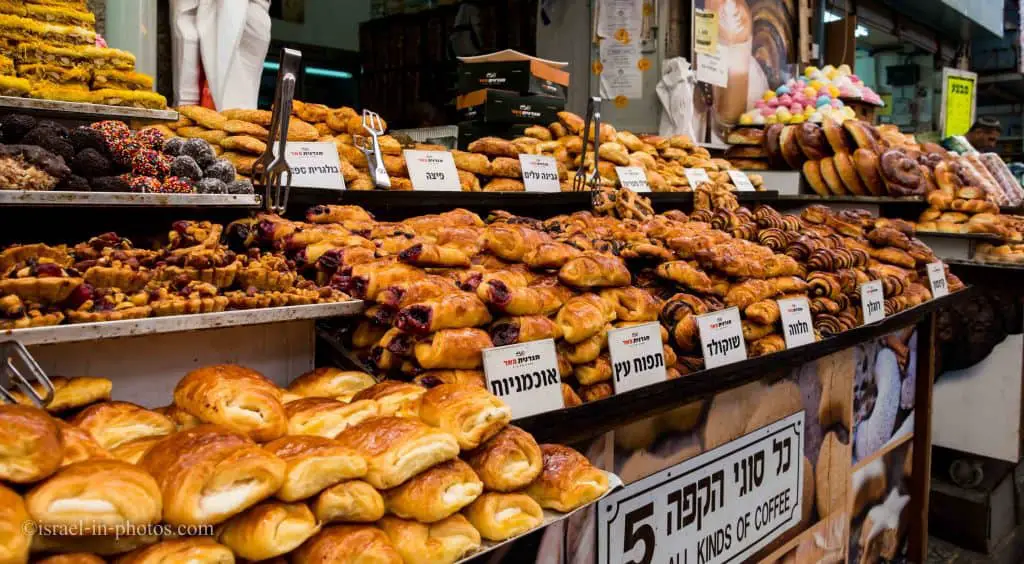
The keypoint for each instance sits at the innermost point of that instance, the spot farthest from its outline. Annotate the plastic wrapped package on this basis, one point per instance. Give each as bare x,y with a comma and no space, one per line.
1006,180
975,174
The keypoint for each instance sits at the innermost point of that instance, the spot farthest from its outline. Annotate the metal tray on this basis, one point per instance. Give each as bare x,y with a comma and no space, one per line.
125,199
57,108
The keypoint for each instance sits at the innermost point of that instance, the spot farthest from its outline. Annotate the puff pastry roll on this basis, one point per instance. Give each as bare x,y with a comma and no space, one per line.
453,348
78,445
30,445
366,280
328,213
551,255
354,501
235,397
500,516
469,413
436,493
442,542
182,419
70,393
327,382
453,311
594,270
351,544
132,452
397,449
567,481
394,398
524,328
586,350
507,461
433,378
683,273
765,312
314,463
519,300
268,530
583,316
747,292
96,493
433,255
187,549
208,474
632,304
511,241
325,417
594,372
14,539
114,423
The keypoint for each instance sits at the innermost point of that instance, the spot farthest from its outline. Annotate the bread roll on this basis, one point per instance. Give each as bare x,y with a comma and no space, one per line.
327,382
69,393
235,397
443,542
567,480
352,544
209,473
394,398
397,449
188,549
470,413
354,501
314,463
268,530
30,444
326,417
508,461
500,516
78,445
114,423
436,493
102,494
15,540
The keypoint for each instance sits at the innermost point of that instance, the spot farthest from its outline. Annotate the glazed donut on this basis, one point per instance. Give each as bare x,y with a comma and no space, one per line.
837,137
848,173
831,176
791,147
812,141
863,134
772,146
901,174
812,172
866,162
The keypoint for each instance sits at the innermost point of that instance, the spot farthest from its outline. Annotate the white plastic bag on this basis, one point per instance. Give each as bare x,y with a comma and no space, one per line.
675,91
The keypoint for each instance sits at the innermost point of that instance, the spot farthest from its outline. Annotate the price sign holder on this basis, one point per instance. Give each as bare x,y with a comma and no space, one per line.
872,302
721,337
432,171
540,173
696,177
937,279
638,357
797,326
741,181
525,376
633,177
958,103
315,165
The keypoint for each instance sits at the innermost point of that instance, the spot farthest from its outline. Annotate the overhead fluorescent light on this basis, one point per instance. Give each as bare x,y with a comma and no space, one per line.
830,17
861,31
315,71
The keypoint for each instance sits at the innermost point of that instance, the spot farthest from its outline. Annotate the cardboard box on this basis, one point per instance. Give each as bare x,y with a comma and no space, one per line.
524,77
470,131
499,106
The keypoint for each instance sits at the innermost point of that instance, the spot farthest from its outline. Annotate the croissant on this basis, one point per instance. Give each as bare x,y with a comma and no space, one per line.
452,311
567,480
569,396
583,316
405,294
753,331
96,494
436,493
587,349
767,345
765,312
681,272
393,398
397,449
594,270
750,291
824,305
448,540
522,329
470,413
594,372
685,332
632,304
453,348
268,530
314,463
238,398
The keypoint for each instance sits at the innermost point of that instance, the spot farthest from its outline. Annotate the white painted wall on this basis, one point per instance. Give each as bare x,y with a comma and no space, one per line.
330,23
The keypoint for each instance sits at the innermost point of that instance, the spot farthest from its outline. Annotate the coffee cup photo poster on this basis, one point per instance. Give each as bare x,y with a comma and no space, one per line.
741,48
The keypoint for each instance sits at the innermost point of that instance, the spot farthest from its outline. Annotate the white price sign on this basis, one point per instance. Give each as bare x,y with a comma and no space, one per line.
872,301
741,181
797,327
633,177
937,279
540,173
432,171
638,358
696,177
722,506
525,376
721,337
315,165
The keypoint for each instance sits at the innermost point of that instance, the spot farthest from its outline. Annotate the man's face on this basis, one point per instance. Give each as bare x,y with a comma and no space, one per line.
984,138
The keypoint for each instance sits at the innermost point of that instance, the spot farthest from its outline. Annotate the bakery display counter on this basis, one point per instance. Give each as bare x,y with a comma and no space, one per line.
957,246
80,110
32,198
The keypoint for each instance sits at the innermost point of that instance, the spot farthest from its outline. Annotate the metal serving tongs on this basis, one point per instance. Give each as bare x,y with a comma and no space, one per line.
375,127
272,169
15,363
580,182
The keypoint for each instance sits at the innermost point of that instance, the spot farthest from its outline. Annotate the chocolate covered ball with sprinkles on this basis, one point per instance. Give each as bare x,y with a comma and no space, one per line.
177,185
111,129
221,170
148,162
150,138
123,150
144,184
186,167
242,186
211,186
173,146
199,150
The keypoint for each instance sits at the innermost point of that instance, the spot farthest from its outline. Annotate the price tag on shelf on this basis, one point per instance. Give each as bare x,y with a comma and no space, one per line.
721,506
638,358
741,181
721,337
432,171
872,301
696,177
315,165
525,376
540,173
937,279
797,327
633,177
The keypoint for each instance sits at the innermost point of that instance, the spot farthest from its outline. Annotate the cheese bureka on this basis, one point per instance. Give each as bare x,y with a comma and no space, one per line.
314,463
331,383
443,542
30,445
500,516
507,461
268,530
238,398
351,544
567,480
353,501
470,413
397,449
436,493
96,493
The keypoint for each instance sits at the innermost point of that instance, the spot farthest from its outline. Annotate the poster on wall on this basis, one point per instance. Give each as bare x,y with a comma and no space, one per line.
749,52
959,92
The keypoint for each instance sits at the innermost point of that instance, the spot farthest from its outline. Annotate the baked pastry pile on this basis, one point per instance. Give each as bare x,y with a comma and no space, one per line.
51,51
332,469
108,279
962,202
